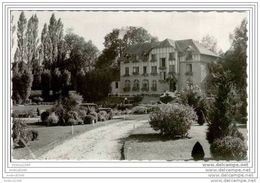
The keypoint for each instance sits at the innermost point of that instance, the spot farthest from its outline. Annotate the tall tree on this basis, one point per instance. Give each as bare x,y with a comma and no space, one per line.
235,61
210,42
32,40
21,38
45,46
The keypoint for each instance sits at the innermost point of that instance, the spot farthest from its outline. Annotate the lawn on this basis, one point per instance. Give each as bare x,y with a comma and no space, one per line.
146,144
49,137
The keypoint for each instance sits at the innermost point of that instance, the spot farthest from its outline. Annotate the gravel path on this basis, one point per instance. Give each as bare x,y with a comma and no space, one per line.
102,143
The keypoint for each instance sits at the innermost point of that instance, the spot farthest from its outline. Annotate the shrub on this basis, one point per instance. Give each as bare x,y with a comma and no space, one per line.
192,96
173,120
72,121
166,98
53,119
228,148
44,116
89,119
139,110
137,99
72,102
94,114
21,133
102,116
197,152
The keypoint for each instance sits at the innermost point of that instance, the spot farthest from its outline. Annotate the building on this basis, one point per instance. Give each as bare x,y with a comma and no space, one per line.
152,68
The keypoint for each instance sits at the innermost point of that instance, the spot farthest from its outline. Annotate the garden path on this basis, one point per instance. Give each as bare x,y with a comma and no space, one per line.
102,143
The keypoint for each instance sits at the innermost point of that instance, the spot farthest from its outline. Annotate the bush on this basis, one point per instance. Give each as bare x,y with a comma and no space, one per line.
137,99
166,98
192,96
197,152
24,114
95,115
173,120
102,116
21,133
72,121
139,110
53,119
89,119
44,116
228,148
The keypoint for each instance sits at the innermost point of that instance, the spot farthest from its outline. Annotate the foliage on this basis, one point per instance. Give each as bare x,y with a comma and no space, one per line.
102,116
21,134
23,114
192,96
139,110
197,152
56,82
65,82
221,114
235,61
44,116
89,119
173,120
46,84
210,43
22,82
53,119
166,98
228,148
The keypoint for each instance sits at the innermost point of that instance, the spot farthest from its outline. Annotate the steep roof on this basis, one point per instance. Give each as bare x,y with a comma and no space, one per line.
181,45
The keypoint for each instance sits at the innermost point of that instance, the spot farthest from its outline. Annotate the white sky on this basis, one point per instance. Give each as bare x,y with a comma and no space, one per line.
174,25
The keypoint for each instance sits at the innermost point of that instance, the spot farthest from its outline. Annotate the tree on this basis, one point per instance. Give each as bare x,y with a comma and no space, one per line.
118,40
21,38
32,41
45,44
56,83
46,84
22,82
235,61
65,82
210,42
82,55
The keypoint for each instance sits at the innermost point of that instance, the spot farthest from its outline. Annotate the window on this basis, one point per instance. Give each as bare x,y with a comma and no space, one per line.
136,85
135,70
171,56
145,85
126,71
144,70
154,70
116,85
154,58
163,62
189,69
188,55
171,69
154,85
163,75
127,86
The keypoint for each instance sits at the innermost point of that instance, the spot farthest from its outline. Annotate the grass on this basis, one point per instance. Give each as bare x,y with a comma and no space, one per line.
146,144
49,137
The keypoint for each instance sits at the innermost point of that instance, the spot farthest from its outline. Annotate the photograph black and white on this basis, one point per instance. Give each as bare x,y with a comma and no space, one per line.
129,85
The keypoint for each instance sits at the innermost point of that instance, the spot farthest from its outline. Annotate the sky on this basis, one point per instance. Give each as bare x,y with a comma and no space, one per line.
173,25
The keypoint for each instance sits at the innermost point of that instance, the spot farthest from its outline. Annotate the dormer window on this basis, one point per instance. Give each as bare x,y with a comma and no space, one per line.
172,56
188,55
